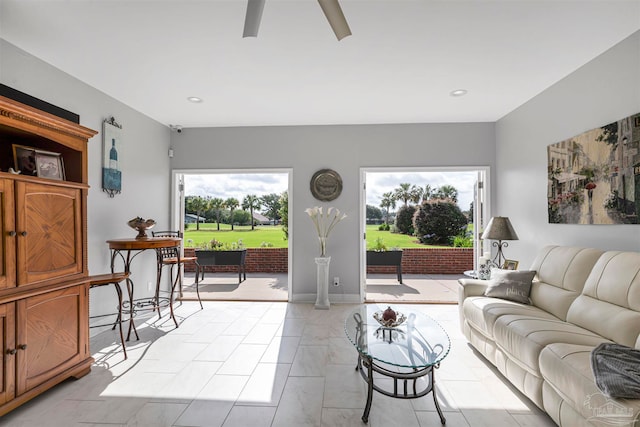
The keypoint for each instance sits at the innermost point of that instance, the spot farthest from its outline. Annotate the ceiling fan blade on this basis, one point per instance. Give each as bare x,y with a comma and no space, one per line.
338,22
253,18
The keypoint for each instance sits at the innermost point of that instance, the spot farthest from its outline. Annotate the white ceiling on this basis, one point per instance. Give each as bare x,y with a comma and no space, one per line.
399,66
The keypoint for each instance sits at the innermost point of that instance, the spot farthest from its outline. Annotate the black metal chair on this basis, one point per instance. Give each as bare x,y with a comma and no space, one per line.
171,257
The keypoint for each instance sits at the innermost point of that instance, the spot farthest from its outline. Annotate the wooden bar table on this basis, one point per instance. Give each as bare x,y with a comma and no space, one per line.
127,249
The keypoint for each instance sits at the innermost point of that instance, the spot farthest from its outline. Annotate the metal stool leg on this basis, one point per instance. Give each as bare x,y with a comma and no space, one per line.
119,320
197,285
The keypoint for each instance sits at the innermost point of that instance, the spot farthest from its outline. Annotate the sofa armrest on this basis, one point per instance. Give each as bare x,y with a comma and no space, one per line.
471,288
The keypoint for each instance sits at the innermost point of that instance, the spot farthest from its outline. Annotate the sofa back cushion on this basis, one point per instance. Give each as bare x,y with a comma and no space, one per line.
610,301
561,275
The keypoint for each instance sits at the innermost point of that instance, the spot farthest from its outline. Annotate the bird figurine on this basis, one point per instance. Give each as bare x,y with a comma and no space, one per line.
141,225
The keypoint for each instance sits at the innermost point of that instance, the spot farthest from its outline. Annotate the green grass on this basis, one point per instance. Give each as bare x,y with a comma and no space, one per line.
275,236
250,239
392,240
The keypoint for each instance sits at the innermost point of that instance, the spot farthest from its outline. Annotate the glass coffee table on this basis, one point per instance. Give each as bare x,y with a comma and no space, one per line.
406,353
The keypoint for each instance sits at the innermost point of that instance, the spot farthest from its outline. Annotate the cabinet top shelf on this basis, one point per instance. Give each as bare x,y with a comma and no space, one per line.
21,116
26,126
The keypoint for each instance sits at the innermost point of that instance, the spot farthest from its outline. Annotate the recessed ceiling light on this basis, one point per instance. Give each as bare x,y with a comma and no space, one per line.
194,99
458,92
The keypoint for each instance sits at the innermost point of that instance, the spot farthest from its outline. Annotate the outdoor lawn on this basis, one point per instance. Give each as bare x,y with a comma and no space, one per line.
273,235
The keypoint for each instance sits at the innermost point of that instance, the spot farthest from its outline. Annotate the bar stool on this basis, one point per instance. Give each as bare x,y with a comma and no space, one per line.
171,257
113,279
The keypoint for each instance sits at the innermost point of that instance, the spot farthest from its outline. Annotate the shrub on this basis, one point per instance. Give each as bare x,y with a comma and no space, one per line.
384,227
404,219
462,242
266,245
436,222
379,245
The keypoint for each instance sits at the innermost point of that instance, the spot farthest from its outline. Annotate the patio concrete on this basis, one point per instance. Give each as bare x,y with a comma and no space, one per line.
417,288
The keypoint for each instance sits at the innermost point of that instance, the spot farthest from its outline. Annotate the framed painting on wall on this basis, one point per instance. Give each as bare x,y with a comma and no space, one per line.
111,152
594,177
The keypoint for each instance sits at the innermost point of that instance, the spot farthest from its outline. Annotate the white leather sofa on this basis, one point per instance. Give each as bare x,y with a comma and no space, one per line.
580,297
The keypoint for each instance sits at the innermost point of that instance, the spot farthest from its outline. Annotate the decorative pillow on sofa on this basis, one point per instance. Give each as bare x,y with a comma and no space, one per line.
513,285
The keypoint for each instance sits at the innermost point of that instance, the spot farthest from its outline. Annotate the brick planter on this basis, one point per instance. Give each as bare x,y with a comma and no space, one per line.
258,260
414,261
430,261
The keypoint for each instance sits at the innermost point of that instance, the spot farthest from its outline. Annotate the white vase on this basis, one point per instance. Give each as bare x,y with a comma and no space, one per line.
322,283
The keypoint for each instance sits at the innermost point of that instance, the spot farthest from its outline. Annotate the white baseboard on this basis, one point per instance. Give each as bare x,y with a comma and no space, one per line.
333,298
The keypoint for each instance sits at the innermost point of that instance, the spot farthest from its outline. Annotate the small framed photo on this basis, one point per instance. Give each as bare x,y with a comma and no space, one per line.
510,264
49,165
24,159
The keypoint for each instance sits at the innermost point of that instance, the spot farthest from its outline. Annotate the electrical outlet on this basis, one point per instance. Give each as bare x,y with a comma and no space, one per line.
336,281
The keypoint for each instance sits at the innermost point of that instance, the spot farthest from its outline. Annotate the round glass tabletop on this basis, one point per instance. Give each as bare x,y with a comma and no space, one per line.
418,342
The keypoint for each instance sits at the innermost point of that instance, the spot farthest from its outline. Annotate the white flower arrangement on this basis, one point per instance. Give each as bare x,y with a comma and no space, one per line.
324,223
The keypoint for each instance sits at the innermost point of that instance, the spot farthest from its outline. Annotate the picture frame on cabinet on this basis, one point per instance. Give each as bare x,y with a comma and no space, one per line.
24,159
49,165
111,150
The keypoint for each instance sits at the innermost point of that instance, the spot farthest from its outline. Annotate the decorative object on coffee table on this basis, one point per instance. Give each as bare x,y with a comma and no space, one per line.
141,225
389,318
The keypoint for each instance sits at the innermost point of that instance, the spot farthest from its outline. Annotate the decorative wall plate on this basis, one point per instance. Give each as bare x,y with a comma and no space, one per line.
326,185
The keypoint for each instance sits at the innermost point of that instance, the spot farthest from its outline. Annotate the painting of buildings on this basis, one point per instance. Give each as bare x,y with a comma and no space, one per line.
594,177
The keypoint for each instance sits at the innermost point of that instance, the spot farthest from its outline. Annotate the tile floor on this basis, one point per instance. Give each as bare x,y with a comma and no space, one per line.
264,364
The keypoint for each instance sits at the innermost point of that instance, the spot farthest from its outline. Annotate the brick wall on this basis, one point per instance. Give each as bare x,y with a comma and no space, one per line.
431,261
262,260
414,261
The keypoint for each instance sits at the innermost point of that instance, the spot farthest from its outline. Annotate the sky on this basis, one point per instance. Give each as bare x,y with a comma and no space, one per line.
237,185
379,183
241,184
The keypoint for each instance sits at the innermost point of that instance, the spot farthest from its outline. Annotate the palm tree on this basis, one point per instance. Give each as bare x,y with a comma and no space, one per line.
251,202
388,202
448,192
231,204
217,204
427,192
408,193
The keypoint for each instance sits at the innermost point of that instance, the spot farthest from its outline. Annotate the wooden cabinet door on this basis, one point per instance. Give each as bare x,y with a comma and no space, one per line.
49,227
8,238
51,335
8,360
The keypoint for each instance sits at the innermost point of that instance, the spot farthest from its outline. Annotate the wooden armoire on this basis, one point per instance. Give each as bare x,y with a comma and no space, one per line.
44,312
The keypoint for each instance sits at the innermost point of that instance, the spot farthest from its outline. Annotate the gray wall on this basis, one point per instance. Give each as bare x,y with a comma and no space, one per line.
143,160
346,149
602,91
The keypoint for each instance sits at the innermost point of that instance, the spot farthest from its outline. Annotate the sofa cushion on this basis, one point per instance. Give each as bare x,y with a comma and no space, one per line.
611,292
481,312
561,274
566,368
522,338
512,285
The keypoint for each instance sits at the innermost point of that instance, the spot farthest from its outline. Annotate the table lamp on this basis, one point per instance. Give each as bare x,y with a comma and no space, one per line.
499,228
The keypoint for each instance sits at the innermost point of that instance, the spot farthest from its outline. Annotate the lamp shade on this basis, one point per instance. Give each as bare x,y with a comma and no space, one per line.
499,228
